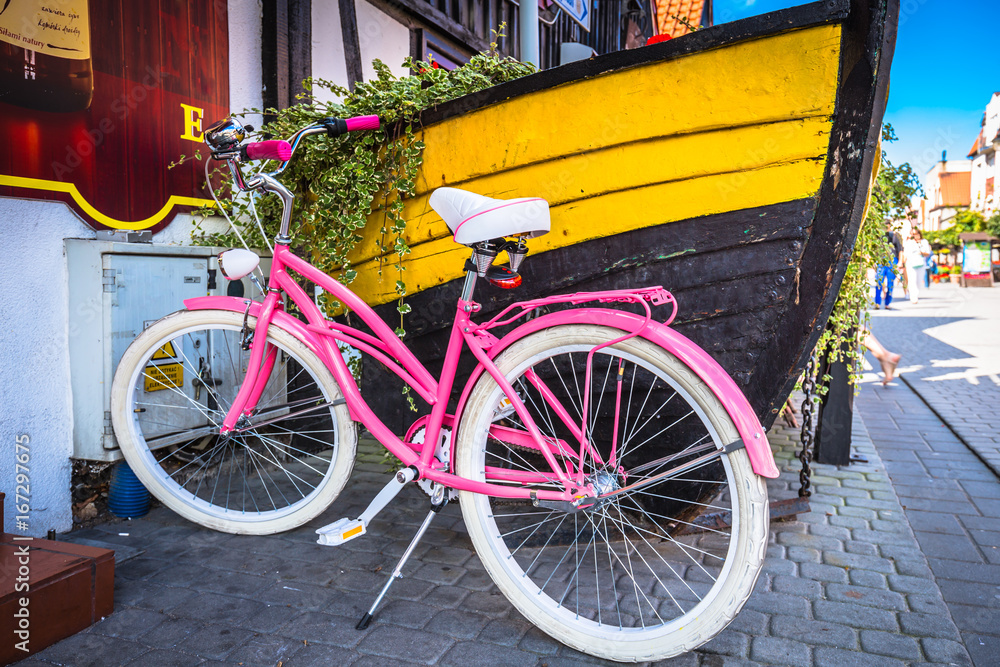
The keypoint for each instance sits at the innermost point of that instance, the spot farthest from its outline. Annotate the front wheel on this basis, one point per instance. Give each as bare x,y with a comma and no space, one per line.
657,569
279,468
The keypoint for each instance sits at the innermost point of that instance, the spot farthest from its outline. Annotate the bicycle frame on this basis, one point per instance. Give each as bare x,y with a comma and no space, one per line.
321,336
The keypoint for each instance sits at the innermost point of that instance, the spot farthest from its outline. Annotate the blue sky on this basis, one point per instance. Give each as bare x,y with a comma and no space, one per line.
946,67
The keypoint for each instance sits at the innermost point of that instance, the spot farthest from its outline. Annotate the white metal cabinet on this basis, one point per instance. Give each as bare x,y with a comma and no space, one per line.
116,290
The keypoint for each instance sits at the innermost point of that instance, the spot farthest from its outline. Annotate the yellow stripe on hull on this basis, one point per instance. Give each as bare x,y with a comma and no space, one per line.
733,128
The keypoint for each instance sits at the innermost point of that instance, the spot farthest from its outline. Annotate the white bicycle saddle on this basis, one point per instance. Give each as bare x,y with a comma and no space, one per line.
473,218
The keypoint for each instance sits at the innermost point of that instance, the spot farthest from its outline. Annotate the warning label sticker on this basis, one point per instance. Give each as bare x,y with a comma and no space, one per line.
165,352
164,376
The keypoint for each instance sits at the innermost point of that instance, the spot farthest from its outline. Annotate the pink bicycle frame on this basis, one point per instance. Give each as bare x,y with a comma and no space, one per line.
321,336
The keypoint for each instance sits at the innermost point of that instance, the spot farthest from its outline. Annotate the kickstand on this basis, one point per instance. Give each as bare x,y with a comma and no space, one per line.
438,501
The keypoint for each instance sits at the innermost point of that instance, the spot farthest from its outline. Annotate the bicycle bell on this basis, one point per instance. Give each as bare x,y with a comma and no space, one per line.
225,135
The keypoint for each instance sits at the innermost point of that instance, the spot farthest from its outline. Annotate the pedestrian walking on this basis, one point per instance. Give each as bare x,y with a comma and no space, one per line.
885,277
916,250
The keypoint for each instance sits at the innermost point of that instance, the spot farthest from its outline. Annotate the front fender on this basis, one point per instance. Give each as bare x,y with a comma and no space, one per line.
281,318
704,366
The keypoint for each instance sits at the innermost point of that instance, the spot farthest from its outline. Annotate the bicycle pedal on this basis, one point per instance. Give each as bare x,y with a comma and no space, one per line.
340,531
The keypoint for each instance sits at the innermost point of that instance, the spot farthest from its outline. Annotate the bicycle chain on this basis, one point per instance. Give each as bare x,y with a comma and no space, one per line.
809,389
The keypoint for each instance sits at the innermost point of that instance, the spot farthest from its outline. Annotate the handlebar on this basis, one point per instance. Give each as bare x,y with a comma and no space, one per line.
267,150
225,137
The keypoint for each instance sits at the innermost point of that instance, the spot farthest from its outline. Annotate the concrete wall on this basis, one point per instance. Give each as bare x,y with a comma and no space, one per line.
34,360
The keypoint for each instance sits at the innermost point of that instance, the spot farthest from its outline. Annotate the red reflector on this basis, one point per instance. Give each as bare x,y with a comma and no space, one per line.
507,283
503,277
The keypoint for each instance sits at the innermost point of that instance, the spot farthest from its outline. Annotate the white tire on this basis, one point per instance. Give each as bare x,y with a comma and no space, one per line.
654,572
283,466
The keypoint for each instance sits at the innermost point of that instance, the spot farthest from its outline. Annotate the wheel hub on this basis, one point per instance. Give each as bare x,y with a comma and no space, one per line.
604,483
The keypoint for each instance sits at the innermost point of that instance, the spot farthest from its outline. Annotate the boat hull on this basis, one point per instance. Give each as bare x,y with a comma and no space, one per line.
731,166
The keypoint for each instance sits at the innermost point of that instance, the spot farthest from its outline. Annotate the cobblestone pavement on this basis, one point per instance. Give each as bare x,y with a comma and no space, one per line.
950,342
846,584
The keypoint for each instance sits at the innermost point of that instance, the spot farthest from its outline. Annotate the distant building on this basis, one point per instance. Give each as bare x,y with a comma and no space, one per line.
947,188
985,169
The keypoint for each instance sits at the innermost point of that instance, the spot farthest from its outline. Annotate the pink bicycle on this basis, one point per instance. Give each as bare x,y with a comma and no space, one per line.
609,471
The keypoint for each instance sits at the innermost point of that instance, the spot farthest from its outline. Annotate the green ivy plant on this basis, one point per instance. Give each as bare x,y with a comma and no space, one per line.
339,182
890,201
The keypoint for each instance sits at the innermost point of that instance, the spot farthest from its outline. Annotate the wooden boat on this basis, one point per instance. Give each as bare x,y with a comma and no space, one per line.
731,165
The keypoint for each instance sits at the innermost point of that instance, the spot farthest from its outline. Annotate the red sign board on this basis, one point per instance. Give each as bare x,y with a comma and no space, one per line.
97,99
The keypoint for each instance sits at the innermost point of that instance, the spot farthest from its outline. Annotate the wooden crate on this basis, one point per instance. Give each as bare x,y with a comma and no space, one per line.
70,587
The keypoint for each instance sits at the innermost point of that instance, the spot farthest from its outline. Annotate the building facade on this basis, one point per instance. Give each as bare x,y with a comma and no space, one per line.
946,187
985,170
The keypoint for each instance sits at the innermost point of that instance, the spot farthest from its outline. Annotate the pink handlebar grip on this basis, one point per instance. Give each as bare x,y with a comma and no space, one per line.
269,150
362,123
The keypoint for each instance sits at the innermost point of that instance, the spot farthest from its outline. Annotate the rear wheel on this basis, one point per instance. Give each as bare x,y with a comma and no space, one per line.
279,468
661,566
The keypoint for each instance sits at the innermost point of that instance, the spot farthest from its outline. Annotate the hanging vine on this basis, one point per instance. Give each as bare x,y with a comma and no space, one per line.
339,182
890,202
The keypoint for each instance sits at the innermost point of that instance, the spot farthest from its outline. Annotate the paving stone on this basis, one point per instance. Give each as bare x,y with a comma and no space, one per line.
833,657
945,651
975,619
952,569
214,640
415,646
863,548
798,586
265,651
778,603
269,619
129,623
457,624
820,572
854,615
936,522
868,579
970,593
163,658
803,555
870,597
319,655
320,628
216,606
729,643
892,645
505,631
774,650
926,604
91,650
842,559
489,604
954,547
813,632
753,623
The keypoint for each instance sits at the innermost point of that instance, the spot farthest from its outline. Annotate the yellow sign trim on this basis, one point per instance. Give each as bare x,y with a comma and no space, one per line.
88,208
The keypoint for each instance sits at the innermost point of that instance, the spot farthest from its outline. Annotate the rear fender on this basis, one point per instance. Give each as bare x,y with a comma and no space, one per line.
732,399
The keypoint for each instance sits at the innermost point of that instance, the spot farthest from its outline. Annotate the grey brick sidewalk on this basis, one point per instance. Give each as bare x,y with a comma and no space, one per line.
950,342
952,502
846,584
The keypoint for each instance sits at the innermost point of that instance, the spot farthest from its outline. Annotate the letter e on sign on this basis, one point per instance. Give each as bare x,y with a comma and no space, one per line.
192,123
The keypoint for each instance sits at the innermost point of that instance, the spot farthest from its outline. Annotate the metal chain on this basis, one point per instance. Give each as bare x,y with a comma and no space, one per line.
809,389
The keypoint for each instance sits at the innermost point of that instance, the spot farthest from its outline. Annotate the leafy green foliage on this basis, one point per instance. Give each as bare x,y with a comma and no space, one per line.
964,221
890,202
339,182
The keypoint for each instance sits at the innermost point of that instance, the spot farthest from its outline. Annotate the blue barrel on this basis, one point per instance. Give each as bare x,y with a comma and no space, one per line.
127,497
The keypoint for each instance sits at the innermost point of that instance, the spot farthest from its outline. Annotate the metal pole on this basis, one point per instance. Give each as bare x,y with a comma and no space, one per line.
528,26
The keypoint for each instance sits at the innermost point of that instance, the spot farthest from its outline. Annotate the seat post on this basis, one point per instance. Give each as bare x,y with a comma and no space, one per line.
470,285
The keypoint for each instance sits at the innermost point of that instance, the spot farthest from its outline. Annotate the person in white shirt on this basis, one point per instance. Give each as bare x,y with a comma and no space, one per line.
916,250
